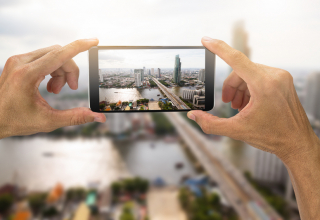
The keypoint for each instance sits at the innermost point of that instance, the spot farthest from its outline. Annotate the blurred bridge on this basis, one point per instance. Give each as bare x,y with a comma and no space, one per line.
173,97
247,202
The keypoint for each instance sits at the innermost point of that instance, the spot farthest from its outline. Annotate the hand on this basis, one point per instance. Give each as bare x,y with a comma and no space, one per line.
270,116
23,110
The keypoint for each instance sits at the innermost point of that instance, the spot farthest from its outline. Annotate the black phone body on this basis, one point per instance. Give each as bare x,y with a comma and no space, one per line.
151,78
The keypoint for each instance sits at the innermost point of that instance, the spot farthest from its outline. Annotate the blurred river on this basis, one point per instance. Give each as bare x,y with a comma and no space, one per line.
39,163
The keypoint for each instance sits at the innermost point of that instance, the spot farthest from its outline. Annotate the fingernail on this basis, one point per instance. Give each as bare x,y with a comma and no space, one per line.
97,119
207,38
191,116
94,38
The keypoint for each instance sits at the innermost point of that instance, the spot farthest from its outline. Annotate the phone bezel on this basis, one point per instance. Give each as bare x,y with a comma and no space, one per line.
93,53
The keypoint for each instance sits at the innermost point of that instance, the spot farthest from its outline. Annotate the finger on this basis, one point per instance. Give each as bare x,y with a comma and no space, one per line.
72,73
211,124
237,100
56,58
49,85
237,60
246,99
34,55
58,81
75,116
230,86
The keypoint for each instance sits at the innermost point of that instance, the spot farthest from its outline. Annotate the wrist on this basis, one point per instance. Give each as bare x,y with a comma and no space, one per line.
302,151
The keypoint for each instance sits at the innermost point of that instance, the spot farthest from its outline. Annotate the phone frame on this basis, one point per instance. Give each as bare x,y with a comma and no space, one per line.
93,53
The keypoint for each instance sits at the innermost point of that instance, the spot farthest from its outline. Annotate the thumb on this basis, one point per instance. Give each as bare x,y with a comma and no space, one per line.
211,124
77,116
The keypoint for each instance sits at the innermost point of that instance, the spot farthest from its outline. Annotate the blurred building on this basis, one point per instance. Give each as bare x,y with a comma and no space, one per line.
269,168
159,73
152,71
177,70
119,123
202,75
239,42
312,103
270,171
144,72
100,76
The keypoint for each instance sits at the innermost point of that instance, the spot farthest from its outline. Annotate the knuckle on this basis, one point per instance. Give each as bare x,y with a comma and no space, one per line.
285,76
13,60
237,55
57,47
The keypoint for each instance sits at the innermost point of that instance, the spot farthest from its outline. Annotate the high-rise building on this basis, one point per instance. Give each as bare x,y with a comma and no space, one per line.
137,79
100,76
177,70
149,72
202,75
141,71
152,71
159,73
312,102
144,72
269,169
239,42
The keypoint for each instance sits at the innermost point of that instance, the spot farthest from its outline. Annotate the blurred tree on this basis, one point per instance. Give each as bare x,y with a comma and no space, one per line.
50,212
115,188
37,202
6,201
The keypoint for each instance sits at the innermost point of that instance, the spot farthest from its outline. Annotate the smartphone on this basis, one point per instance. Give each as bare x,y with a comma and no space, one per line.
151,78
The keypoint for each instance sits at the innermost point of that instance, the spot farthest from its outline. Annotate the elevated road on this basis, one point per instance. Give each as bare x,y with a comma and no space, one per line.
173,97
247,202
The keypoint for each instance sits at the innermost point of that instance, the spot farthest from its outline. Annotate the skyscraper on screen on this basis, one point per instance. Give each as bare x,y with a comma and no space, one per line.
177,70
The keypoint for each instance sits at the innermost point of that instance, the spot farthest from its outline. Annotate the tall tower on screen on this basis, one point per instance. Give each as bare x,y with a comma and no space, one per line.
177,70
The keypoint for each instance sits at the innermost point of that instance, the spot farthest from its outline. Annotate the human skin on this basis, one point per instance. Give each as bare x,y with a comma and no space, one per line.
23,111
270,118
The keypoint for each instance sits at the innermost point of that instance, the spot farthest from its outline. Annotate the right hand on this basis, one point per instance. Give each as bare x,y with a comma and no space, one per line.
270,116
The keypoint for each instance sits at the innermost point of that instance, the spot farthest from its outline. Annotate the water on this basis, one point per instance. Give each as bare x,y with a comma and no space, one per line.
114,95
153,159
27,162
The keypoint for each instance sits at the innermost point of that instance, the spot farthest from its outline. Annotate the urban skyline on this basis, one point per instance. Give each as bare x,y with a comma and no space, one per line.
151,58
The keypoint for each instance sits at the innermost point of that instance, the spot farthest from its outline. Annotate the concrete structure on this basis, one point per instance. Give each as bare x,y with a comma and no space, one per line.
159,73
100,76
312,102
189,93
176,101
177,70
202,75
163,204
152,71
118,123
144,72
269,168
199,101
141,71
137,79
236,189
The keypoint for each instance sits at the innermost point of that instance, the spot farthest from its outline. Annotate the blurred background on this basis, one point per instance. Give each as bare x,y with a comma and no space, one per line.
154,166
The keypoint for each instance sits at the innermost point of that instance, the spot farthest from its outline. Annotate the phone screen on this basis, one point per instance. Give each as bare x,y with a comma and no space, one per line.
151,79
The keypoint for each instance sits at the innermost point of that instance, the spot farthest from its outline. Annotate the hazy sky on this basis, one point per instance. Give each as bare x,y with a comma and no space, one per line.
282,33
164,58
